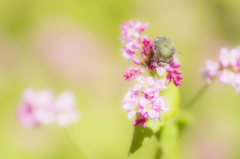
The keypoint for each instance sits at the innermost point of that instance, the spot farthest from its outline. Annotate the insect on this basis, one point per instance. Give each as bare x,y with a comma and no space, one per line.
164,51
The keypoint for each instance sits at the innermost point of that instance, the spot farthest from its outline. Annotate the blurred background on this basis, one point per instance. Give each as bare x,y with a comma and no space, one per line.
73,45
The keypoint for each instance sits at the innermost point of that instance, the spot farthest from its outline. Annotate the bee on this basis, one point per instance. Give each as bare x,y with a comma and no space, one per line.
164,51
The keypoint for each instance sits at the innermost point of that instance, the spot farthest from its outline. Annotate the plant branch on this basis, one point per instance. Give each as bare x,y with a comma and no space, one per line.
198,95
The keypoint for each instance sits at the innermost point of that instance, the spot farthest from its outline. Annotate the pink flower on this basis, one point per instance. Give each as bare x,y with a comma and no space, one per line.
148,108
132,72
226,76
151,92
65,110
227,69
143,82
173,74
133,45
130,38
132,29
154,90
212,67
131,105
160,103
227,57
40,102
40,108
26,117
127,54
160,84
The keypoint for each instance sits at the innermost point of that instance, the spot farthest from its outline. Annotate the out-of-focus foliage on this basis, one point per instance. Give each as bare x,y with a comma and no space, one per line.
73,45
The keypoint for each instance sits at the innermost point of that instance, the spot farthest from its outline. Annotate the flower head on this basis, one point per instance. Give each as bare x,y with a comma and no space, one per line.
149,104
40,108
227,69
65,110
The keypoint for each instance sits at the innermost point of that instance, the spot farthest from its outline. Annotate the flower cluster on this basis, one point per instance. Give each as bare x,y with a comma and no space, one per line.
150,104
144,100
40,108
226,70
133,41
131,38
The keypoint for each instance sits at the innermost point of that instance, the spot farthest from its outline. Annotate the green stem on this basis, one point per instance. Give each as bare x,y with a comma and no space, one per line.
198,96
79,147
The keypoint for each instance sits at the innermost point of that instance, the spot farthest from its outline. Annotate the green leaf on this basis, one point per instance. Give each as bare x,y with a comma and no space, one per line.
142,135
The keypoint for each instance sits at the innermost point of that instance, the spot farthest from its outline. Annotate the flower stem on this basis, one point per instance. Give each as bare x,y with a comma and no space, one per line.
198,96
79,147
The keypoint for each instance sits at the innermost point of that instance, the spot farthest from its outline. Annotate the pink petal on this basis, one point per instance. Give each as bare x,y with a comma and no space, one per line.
144,26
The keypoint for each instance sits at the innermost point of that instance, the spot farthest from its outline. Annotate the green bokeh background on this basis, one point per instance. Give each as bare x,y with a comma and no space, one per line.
73,45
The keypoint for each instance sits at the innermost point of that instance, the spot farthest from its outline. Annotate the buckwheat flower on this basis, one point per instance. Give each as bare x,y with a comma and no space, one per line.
212,67
127,54
40,108
151,92
226,76
131,105
132,72
41,103
148,108
132,93
36,108
132,29
143,82
173,74
161,104
133,45
131,38
26,117
226,70
160,84
65,110
228,57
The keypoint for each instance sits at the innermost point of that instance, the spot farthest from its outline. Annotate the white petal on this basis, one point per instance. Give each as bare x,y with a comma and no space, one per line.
152,113
143,101
137,87
131,114
161,71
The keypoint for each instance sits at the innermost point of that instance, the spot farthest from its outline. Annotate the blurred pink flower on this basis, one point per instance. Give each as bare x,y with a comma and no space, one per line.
65,110
26,117
40,108
227,57
227,69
